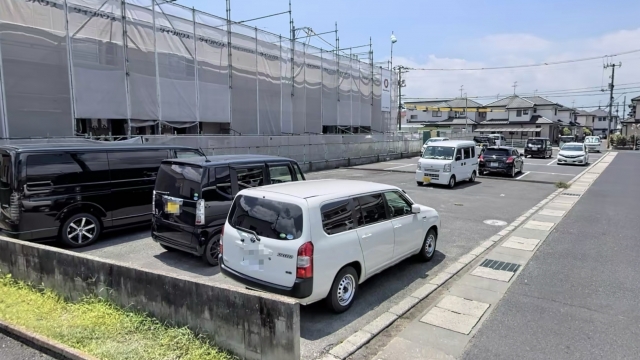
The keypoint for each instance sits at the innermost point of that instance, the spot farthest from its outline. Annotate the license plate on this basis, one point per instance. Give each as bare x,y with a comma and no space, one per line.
493,164
172,207
426,179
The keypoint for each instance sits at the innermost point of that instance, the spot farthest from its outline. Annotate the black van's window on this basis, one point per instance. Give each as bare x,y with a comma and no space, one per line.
337,216
538,142
181,153
132,165
280,174
219,187
5,170
372,209
298,172
68,168
179,181
250,177
268,218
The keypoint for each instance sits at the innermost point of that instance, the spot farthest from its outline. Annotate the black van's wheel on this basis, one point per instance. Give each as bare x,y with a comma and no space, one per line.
80,230
343,290
212,250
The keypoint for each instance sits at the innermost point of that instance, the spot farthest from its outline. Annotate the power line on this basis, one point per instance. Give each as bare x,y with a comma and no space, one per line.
548,63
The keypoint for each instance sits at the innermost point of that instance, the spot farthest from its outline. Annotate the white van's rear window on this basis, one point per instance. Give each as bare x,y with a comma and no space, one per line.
268,218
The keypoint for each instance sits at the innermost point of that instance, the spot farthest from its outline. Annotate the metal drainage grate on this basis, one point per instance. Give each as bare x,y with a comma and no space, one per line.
571,194
500,265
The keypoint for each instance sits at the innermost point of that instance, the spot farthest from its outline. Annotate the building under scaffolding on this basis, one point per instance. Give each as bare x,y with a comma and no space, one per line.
128,67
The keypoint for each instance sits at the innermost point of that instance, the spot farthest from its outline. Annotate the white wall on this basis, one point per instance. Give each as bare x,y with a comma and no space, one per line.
547,112
565,116
498,115
425,116
523,118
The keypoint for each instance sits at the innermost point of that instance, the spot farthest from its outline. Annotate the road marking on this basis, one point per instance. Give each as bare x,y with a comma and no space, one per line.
549,173
396,167
523,175
552,161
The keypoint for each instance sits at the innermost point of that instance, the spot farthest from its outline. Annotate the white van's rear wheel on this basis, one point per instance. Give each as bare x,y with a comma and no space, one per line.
343,290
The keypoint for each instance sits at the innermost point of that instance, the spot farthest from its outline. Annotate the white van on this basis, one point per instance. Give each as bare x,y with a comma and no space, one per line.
498,139
316,240
448,162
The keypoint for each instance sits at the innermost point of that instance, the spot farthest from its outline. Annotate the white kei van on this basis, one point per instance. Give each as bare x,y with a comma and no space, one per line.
318,240
448,162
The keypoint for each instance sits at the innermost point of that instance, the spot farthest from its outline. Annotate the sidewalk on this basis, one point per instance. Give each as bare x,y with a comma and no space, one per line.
578,297
522,297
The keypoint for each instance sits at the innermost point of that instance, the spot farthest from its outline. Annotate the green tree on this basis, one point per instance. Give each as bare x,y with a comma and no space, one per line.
566,131
587,132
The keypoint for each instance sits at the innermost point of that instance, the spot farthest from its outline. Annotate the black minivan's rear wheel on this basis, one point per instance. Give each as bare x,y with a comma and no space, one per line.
80,230
212,250
343,290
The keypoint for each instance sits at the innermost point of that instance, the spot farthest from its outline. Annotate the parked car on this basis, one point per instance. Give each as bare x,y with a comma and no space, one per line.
484,141
447,163
192,197
433,140
75,192
501,159
593,143
573,153
498,139
540,147
320,239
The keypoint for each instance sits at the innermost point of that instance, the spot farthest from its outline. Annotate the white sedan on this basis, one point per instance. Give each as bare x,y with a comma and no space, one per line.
573,153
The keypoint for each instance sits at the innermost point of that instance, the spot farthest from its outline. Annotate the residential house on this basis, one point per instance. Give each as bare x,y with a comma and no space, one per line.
631,126
585,118
418,114
601,125
518,117
453,115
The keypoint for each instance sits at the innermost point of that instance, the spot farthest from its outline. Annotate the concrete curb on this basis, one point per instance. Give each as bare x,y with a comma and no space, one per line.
356,341
42,343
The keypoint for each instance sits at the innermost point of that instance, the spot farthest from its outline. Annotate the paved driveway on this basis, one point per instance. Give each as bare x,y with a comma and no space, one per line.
463,211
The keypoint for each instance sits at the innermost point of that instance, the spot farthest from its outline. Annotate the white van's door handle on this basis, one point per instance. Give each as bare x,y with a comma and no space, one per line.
396,226
366,236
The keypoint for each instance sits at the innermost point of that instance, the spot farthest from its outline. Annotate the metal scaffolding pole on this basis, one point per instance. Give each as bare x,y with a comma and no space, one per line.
3,101
257,85
195,66
155,52
70,68
229,63
125,54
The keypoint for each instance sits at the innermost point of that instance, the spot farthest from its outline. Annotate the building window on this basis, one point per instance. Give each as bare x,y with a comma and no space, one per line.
535,110
525,112
436,113
459,114
556,111
518,113
538,126
414,117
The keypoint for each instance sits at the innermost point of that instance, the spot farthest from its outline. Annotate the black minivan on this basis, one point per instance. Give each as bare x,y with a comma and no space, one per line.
538,146
73,192
193,196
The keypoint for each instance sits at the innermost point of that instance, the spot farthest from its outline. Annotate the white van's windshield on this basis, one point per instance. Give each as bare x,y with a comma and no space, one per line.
593,139
439,152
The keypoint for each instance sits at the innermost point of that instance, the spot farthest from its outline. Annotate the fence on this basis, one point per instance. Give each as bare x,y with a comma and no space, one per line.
145,61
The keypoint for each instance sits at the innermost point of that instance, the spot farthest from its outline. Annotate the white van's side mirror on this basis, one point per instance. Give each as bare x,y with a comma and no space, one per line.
415,208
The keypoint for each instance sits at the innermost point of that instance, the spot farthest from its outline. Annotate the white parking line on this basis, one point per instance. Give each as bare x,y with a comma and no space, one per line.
549,173
552,161
396,167
523,175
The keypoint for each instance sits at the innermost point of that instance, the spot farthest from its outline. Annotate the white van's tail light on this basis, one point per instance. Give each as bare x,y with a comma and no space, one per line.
221,238
304,268
200,212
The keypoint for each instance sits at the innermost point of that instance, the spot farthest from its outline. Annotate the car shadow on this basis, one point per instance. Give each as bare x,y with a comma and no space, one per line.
117,237
317,321
187,262
461,185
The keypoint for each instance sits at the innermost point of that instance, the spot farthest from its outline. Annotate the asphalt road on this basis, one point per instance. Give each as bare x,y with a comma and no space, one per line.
534,169
462,211
578,296
14,350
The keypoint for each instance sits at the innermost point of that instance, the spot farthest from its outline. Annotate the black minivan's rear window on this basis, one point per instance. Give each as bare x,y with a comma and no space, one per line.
268,218
179,181
535,142
497,152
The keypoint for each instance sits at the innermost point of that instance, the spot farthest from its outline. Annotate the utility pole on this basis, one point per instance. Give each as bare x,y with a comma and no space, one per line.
611,85
624,108
401,84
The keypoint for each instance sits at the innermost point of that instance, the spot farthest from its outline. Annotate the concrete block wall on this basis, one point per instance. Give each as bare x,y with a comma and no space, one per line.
251,325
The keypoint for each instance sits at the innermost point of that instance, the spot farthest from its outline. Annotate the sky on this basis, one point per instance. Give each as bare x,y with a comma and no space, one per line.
471,34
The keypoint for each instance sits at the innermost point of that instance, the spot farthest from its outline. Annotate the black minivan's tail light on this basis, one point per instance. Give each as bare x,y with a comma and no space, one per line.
14,207
200,212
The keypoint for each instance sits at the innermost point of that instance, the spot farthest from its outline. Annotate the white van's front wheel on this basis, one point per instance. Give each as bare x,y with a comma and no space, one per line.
343,290
452,182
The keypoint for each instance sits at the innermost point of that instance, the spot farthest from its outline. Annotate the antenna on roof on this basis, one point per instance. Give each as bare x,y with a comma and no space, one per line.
206,159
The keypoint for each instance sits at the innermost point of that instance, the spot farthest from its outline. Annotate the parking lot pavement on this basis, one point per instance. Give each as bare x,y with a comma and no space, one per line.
11,349
462,211
535,169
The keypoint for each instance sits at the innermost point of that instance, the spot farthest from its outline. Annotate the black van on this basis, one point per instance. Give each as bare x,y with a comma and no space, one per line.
73,192
538,146
193,196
